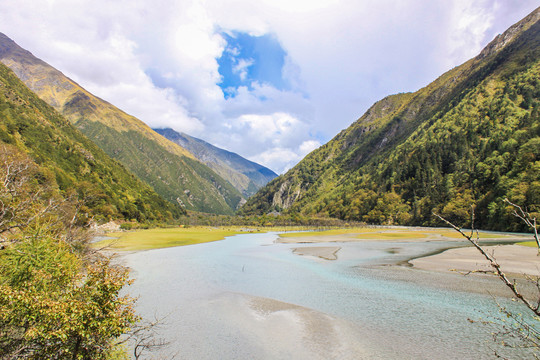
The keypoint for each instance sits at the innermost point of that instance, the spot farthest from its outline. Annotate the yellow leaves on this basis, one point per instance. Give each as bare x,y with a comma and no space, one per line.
62,305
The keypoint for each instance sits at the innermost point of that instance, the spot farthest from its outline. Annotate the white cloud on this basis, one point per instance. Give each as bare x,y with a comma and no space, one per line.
470,23
274,128
308,146
270,139
277,158
241,68
157,59
282,159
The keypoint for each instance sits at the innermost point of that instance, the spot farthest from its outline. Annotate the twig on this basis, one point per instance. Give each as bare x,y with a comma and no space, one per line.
494,264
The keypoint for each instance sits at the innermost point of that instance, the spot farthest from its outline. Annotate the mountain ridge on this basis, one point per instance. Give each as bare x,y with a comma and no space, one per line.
72,163
351,177
245,175
168,168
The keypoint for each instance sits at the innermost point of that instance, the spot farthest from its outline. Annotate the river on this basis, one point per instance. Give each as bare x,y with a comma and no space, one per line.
247,297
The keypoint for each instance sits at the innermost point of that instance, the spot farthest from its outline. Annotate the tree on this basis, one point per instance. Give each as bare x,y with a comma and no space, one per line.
22,201
59,299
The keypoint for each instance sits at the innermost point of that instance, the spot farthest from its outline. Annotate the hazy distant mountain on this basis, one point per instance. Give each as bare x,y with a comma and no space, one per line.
470,137
172,171
246,176
72,162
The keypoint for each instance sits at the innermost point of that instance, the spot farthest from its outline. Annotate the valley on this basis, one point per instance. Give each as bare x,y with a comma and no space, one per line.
160,230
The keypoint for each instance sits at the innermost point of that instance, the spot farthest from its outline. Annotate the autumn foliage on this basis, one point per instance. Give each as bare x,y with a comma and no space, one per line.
58,298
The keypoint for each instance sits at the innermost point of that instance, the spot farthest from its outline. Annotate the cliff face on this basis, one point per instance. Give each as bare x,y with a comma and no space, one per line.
412,154
514,31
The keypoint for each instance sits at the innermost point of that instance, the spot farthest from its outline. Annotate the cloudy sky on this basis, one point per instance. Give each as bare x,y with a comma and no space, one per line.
268,79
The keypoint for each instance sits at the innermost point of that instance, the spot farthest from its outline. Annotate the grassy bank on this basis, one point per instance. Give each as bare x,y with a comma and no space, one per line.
169,237
162,238
394,233
529,243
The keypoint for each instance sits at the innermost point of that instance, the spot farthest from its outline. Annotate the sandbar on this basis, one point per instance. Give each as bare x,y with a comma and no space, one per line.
514,259
323,252
264,328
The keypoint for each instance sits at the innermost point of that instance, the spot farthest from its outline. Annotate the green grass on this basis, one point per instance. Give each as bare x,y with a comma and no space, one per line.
328,232
528,243
162,238
393,234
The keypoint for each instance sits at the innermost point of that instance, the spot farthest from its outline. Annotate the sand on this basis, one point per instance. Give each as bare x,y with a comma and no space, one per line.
264,328
517,261
318,239
514,259
323,252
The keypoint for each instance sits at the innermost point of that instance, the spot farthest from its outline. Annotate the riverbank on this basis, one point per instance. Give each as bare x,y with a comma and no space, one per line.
149,239
514,259
390,233
441,269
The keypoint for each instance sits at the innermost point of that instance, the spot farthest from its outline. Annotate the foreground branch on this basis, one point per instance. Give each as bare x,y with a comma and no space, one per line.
535,308
527,219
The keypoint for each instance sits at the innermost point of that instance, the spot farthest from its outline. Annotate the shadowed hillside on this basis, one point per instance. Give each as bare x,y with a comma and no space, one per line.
69,162
172,171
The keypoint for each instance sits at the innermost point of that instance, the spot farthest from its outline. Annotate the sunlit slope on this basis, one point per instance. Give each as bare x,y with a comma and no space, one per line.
72,163
469,137
170,169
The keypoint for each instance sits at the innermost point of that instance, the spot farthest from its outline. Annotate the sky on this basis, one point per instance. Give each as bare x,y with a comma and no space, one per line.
271,80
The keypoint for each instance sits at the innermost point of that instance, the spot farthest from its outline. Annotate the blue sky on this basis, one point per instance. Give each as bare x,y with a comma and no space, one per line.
251,59
268,79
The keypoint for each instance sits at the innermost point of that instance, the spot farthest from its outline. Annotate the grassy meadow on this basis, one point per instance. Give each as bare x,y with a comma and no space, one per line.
396,233
162,238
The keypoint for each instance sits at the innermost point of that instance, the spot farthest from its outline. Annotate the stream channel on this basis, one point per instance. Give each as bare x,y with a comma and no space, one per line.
248,297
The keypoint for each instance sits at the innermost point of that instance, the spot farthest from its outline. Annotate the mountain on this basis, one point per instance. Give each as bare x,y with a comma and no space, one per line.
169,169
469,137
246,176
69,160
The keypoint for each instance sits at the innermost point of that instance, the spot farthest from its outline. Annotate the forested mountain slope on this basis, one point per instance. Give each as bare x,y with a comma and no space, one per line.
472,137
69,162
246,176
172,171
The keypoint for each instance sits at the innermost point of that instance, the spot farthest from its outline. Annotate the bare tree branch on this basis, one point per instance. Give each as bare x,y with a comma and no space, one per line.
527,219
535,308
144,337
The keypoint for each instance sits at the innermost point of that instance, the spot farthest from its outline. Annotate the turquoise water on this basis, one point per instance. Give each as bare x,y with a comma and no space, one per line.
390,317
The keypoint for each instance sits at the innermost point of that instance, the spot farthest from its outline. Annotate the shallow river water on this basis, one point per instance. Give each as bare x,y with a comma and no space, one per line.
247,297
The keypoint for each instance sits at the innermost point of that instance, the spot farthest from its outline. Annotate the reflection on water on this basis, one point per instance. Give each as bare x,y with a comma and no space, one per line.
205,291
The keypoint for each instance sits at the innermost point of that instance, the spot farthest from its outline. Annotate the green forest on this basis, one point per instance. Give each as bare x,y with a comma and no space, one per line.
482,151
71,163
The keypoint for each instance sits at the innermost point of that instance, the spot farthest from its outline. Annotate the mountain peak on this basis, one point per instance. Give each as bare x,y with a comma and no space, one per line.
245,175
172,171
501,40
471,137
